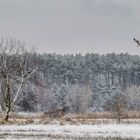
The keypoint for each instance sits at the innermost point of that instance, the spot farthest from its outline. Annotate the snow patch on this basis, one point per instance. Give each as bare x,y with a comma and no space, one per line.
81,130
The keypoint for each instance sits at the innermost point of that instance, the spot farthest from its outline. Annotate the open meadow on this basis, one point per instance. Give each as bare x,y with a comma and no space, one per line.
98,126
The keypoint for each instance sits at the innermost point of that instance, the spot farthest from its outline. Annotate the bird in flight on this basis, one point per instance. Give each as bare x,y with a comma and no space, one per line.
137,41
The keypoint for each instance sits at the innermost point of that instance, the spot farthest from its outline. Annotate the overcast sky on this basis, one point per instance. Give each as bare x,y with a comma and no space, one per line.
73,26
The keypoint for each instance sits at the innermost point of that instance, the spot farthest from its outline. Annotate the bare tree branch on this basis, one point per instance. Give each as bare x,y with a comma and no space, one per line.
137,41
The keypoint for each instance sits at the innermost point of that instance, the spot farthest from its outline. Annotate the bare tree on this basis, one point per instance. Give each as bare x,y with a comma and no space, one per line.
16,68
117,106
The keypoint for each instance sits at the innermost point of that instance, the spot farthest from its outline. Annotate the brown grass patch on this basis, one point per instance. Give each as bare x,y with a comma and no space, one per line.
84,118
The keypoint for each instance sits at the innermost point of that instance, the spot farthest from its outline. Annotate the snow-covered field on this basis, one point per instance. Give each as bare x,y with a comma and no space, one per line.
67,131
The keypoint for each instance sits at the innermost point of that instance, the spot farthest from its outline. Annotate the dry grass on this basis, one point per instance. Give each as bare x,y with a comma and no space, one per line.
133,115
106,115
92,118
96,115
102,117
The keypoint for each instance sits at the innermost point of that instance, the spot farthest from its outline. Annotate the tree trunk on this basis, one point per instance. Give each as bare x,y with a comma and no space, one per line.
7,114
6,117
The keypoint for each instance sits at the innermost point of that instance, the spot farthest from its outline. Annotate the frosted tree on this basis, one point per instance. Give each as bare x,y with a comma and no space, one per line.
117,104
61,96
133,95
28,98
16,68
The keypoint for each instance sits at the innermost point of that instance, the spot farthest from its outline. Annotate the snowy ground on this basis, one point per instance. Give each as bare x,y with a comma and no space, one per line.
67,131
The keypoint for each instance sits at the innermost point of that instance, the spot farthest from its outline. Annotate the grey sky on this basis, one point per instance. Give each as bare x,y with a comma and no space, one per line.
73,26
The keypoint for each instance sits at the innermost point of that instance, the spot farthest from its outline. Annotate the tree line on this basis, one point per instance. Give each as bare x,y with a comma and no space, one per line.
83,83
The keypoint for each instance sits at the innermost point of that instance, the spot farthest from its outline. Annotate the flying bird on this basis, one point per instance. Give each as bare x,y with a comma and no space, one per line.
137,41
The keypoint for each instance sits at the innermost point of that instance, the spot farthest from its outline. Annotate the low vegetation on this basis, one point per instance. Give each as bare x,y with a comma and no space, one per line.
84,118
